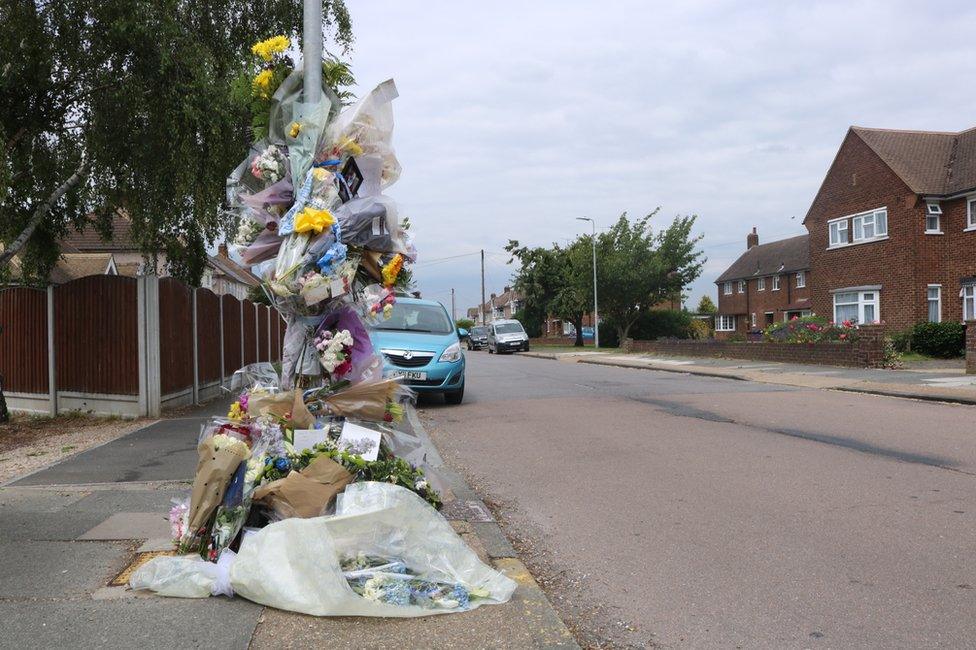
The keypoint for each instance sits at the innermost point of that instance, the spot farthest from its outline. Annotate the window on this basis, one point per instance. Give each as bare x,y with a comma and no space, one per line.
801,279
838,232
724,323
775,283
970,212
856,306
742,286
727,289
870,225
933,213
753,320
935,303
968,302
761,284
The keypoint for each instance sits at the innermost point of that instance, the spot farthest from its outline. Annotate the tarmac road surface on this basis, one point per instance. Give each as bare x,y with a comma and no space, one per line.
701,512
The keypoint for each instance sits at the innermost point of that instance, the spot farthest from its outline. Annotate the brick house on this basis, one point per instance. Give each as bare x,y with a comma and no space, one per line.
768,283
893,228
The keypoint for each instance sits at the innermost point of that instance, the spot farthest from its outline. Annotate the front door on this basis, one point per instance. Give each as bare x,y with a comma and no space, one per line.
769,318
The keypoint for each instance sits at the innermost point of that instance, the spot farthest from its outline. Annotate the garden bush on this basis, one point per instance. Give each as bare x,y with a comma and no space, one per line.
810,329
698,329
902,341
650,326
944,340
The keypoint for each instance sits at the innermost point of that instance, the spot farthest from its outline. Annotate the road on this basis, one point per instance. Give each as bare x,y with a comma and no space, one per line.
661,508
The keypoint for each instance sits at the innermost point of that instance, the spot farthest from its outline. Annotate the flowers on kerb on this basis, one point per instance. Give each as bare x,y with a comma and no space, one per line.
811,329
266,49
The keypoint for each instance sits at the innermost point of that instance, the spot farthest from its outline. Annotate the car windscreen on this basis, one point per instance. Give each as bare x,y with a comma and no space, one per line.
406,317
479,331
508,328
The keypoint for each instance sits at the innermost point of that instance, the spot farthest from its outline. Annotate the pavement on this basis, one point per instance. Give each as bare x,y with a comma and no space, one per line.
672,509
940,384
67,530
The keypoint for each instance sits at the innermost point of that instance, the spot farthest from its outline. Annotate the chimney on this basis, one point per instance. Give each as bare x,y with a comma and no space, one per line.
222,249
752,239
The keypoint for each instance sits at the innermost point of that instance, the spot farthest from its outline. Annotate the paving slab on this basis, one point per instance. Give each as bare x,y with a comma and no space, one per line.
130,525
58,570
157,623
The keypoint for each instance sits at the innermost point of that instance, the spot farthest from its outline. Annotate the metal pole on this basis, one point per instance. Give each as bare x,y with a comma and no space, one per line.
453,311
596,313
312,50
482,308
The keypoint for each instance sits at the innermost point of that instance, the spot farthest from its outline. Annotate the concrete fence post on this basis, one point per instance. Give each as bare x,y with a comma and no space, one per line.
220,317
257,333
971,347
196,351
241,303
150,381
52,365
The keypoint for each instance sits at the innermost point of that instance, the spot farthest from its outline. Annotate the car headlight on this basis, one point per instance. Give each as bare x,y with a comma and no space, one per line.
452,353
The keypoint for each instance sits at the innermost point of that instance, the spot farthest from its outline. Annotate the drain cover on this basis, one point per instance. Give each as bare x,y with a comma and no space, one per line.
137,561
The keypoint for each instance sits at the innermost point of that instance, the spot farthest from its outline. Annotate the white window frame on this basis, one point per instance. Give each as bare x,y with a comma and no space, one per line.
724,323
741,288
801,279
841,225
761,284
933,218
968,295
860,221
970,212
775,283
727,288
938,302
861,302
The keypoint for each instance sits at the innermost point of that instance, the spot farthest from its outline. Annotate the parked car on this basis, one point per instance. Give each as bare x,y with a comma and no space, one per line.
507,336
419,345
478,338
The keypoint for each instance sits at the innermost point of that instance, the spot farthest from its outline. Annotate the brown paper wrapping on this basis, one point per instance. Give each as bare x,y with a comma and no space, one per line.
306,493
214,471
282,404
366,401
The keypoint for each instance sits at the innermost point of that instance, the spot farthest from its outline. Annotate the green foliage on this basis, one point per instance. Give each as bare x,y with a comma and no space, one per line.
464,323
650,325
809,329
637,269
258,296
706,306
699,330
943,340
144,92
902,341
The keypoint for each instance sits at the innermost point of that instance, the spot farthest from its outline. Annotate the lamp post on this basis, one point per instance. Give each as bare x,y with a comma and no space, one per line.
596,314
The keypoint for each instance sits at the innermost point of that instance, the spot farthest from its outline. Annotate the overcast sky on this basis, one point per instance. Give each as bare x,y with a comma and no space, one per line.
514,118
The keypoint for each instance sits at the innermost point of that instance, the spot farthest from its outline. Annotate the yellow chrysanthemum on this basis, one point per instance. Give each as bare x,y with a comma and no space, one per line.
268,48
262,83
295,129
392,270
313,220
236,412
351,146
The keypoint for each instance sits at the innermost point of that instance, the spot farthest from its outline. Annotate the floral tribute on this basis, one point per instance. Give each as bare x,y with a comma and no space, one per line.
811,329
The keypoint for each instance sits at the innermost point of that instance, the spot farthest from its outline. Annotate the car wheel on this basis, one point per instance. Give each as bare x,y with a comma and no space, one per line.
455,396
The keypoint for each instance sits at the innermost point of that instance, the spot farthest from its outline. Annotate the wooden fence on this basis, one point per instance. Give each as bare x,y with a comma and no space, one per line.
127,346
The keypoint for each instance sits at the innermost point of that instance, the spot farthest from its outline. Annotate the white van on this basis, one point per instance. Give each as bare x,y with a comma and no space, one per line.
507,336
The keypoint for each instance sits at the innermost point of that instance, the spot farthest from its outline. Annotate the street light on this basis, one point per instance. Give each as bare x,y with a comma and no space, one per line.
596,314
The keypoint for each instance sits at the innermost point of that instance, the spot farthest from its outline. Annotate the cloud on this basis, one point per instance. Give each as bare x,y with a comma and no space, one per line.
513,120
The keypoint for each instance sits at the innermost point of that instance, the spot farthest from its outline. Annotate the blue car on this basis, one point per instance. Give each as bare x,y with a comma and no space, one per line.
420,345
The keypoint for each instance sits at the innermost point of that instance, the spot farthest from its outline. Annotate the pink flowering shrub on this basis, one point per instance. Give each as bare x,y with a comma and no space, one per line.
811,329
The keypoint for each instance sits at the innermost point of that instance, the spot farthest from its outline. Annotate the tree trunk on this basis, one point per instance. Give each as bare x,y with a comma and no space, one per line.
41,212
623,331
578,324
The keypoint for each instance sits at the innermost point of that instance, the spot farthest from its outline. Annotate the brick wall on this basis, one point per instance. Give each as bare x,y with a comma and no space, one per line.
866,351
859,181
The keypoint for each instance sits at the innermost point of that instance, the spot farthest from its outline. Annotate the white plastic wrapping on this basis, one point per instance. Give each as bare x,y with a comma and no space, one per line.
294,564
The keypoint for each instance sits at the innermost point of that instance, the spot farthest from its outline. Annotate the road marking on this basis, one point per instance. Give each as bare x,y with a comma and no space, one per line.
951,381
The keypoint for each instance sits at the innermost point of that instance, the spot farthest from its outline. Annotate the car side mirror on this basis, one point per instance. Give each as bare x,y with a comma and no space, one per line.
463,333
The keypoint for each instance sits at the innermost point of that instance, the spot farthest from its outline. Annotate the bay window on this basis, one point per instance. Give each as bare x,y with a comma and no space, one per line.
724,323
969,302
857,306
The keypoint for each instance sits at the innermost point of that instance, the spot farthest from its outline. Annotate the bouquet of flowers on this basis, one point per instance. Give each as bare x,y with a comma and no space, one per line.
335,352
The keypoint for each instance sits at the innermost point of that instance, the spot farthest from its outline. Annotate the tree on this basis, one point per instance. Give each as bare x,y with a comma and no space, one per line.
128,105
552,281
464,323
637,269
706,306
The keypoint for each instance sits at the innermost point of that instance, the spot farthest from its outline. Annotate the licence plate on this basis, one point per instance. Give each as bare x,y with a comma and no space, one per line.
407,374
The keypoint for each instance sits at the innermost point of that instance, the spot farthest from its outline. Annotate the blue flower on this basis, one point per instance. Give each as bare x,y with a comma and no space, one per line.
460,594
282,464
268,460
